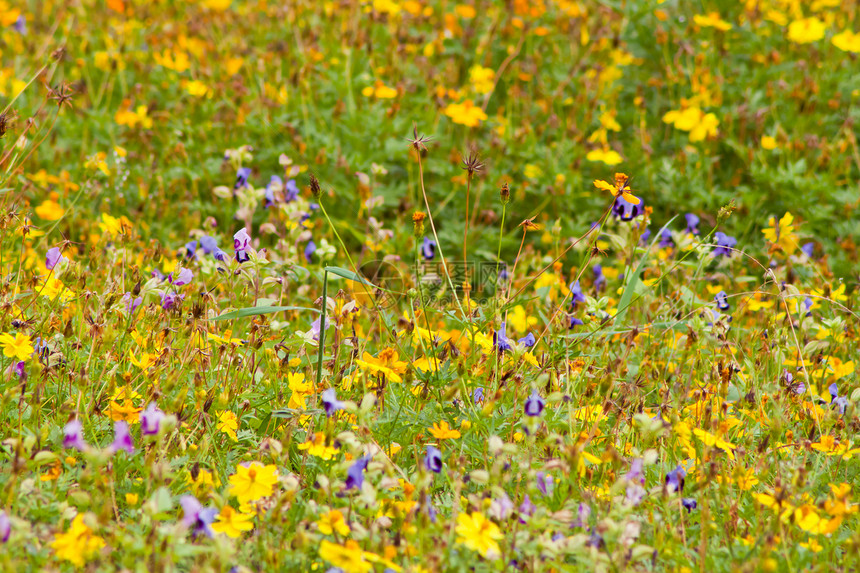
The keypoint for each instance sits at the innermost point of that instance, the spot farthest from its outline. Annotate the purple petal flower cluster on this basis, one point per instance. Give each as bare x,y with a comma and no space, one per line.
72,435
725,244
196,517
428,249
330,402
433,459
241,244
500,339
150,420
355,473
122,439
534,404
692,223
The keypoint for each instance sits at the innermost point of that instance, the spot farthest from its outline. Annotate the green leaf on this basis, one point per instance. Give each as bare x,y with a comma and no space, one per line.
255,310
343,273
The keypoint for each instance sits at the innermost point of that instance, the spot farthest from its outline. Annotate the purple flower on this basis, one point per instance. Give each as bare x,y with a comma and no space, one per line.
643,238
242,177
576,295
315,328
725,244
72,437
583,512
184,277
599,279
528,340
275,181
122,439
635,480
131,304
500,340
834,391
190,249
20,370
208,244
666,239
52,257
807,302
574,322
330,402
544,483
355,473
808,249
292,191
501,507
526,509
534,404
692,223
310,249
433,459
722,300
478,395
150,420
595,541
428,249
241,244
5,527
675,479
169,300
504,275
20,25
840,403
689,504
626,211
196,517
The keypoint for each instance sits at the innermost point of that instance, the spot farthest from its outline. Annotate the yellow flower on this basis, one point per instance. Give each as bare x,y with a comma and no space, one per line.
712,20
380,91
204,483
228,423
198,89
349,557
465,113
768,142
847,41
619,189
806,30
77,544
441,431
217,5
121,406
781,234
385,364
481,79
479,534
711,440
333,521
114,226
134,118
19,347
50,210
825,444
532,171
465,11
316,446
608,156
232,523
131,498
695,121
253,482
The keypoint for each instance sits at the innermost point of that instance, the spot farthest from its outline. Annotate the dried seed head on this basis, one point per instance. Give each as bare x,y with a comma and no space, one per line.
418,141
5,122
472,163
315,187
505,194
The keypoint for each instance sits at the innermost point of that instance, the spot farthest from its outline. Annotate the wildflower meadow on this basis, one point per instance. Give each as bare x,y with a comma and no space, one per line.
359,286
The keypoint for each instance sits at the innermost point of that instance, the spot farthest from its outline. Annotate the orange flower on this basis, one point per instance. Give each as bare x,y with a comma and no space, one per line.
619,189
442,431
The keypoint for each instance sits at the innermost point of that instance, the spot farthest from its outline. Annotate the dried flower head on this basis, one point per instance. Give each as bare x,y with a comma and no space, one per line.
418,141
315,187
472,163
505,194
61,94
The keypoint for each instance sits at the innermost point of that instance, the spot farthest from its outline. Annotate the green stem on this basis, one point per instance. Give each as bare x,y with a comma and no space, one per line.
322,330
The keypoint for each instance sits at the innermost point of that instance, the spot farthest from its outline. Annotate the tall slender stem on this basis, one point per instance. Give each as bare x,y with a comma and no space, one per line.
321,347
